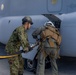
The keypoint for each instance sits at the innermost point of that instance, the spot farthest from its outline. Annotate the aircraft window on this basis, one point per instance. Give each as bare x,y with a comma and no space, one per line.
2,6
54,1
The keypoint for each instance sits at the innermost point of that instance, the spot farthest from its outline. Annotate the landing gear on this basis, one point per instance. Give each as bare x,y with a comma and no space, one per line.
47,63
30,65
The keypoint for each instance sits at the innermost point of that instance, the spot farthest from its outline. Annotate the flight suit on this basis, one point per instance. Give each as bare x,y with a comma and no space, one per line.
17,39
44,50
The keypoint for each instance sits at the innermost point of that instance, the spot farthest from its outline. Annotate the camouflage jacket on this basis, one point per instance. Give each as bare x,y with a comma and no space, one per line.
18,38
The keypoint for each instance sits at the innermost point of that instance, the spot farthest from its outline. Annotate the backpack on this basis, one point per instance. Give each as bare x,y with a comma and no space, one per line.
51,32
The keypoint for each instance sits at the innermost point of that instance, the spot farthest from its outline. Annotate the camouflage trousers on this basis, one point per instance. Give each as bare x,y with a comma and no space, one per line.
16,65
41,63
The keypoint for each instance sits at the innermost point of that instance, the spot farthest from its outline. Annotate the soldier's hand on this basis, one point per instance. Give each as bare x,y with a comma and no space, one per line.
26,50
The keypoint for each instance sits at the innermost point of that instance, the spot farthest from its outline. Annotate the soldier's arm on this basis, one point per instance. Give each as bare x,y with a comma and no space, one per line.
37,32
23,40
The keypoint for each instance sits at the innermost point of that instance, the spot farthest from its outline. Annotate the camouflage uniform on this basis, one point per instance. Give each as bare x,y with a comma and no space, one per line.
17,39
44,50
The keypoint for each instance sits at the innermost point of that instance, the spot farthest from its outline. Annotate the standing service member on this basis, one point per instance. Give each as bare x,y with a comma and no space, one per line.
50,40
18,38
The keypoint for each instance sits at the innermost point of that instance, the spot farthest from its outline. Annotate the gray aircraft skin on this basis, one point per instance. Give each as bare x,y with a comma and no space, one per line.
36,7
12,12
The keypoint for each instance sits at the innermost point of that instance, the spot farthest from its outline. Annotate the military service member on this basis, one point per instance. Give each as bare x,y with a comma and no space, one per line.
17,39
49,45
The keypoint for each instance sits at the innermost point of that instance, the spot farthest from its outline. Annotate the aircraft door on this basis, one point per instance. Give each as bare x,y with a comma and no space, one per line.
54,5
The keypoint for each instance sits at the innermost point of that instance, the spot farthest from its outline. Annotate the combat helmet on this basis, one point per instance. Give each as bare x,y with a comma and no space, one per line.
27,19
49,23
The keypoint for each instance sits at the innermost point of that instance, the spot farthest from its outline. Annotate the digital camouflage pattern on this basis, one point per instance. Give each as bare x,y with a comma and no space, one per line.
16,65
18,38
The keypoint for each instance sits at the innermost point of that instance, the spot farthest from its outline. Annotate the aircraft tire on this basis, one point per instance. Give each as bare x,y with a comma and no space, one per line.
47,63
30,65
